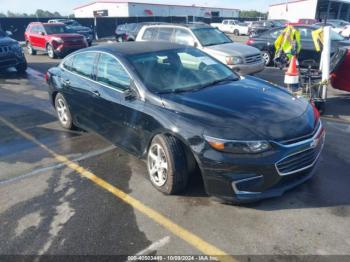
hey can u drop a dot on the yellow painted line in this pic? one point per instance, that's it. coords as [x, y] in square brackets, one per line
[195, 241]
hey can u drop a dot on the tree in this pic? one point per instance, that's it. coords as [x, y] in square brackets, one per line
[252, 14]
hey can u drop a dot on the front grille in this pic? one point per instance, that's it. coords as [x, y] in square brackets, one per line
[4, 50]
[300, 161]
[253, 59]
[74, 42]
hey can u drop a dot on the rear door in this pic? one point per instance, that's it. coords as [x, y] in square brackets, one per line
[77, 80]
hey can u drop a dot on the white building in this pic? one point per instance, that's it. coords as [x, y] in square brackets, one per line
[310, 9]
[134, 9]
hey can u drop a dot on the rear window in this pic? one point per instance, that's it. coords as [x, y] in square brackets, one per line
[164, 34]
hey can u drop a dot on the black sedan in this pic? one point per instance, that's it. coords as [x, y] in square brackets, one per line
[265, 42]
[182, 110]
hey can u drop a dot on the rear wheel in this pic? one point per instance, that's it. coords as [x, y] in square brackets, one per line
[50, 51]
[30, 49]
[167, 165]
[267, 57]
[236, 32]
[63, 113]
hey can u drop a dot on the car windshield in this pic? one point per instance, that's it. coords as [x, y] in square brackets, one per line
[56, 29]
[306, 34]
[211, 36]
[179, 70]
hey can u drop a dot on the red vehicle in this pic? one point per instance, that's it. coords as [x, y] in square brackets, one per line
[340, 78]
[304, 22]
[53, 38]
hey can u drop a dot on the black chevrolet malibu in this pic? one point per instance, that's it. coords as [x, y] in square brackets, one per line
[182, 110]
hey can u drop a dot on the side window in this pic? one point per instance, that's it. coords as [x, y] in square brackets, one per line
[110, 72]
[183, 37]
[34, 29]
[84, 63]
[225, 22]
[164, 34]
[149, 34]
[276, 33]
[232, 22]
[68, 63]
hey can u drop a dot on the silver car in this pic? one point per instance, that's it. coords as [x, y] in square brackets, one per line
[241, 58]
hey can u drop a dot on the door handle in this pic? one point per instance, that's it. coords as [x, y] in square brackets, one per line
[66, 82]
[96, 93]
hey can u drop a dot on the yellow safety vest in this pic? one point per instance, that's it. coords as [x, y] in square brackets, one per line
[287, 40]
[317, 37]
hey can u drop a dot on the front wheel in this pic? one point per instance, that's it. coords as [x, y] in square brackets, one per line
[167, 165]
[21, 68]
[30, 49]
[50, 51]
[267, 57]
[63, 112]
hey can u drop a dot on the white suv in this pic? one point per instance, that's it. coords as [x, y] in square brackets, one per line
[241, 58]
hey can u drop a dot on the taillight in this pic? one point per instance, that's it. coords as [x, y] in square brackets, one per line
[316, 113]
[47, 76]
[250, 42]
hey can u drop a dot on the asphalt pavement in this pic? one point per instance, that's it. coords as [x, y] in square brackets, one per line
[73, 193]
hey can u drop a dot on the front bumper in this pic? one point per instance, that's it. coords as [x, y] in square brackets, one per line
[247, 69]
[248, 178]
[11, 60]
[65, 50]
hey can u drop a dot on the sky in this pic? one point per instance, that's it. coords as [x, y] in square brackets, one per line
[65, 7]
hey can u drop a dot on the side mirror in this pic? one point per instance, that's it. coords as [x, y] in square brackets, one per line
[41, 33]
[9, 33]
[131, 93]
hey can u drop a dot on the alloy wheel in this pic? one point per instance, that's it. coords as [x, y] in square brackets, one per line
[62, 111]
[157, 165]
[266, 57]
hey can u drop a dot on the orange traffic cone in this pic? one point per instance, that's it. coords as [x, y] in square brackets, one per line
[291, 78]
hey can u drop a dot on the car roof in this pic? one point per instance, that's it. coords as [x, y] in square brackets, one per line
[133, 48]
[190, 26]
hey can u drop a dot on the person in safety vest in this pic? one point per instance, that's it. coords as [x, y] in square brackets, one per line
[317, 37]
[288, 43]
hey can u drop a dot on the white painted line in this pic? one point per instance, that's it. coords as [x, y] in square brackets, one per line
[57, 166]
[154, 246]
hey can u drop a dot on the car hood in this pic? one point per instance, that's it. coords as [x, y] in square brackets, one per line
[246, 109]
[6, 40]
[233, 49]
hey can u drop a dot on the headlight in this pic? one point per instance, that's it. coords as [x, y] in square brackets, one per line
[234, 60]
[15, 47]
[238, 147]
[57, 40]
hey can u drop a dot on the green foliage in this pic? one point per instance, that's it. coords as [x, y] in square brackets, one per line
[38, 13]
[253, 14]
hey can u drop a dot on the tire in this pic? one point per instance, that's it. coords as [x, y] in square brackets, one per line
[236, 32]
[119, 39]
[21, 68]
[50, 51]
[174, 177]
[63, 112]
[267, 57]
[30, 49]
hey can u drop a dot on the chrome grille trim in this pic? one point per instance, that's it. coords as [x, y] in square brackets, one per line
[253, 59]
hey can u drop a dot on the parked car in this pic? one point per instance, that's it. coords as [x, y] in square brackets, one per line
[180, 109]
[54, 38]
[232, 26]
[265, 43]
[304, 21]
[258, 27]
[75, 27]
[11, 53]
[128, 32]
[336, 27]
[239, 57]
[340, 77]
